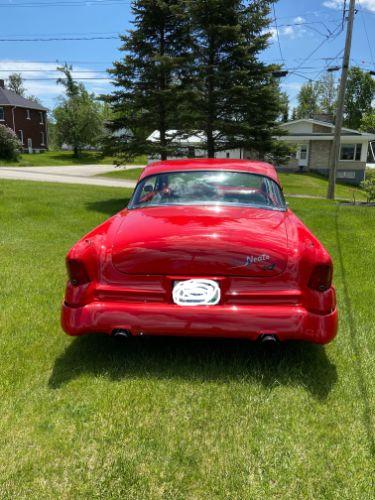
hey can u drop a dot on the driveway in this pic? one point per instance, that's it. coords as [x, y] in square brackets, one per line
[82, 174]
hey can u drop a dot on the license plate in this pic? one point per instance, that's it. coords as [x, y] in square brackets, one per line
[196, 292]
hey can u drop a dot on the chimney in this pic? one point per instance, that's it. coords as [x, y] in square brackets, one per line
[2, 86]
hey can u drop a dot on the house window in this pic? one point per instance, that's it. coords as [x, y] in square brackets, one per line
[20, 135]
[42, 138]
[28, 114]
[2, 117]
[351, 152]
[41, 117]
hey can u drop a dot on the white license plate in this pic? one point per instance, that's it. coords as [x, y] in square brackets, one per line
[196, 292]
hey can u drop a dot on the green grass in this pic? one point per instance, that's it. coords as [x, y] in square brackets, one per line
[175, 419]
[61, 158]
[316, 185]
[122, 173]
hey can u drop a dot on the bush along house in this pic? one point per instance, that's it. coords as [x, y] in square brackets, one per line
[312, 139]
[26, 117]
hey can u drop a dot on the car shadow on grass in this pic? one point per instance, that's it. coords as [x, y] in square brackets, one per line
[290, 364]
[108, 207]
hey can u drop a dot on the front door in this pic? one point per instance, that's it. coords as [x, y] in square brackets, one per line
[303, 155]
[30, 145]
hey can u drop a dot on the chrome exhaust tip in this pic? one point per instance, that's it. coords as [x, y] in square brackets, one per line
[269, 340]
[121, 333]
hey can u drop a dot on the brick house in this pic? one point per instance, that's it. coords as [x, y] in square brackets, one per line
[27, 118]
[313, 140]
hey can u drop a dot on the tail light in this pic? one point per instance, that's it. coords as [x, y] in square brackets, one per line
[77, 272]
[321, 278]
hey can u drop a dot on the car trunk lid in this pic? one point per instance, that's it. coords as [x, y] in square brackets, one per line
[201, 241]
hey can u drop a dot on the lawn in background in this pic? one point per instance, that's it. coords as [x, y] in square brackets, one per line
[62, 158]
[316, 185]
[123, 173]
[166, 418]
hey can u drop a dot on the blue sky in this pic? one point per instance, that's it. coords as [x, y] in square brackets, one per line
[304, 26]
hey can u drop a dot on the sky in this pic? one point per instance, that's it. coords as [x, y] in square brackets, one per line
[307, 38]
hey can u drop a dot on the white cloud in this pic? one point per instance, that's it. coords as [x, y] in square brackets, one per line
[287, 31]
[299, 19]
[338, 4]
[48, 90]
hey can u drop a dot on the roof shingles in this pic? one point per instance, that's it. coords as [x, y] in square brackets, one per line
[10, 98]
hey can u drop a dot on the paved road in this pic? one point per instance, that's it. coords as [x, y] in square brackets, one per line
[82, 174]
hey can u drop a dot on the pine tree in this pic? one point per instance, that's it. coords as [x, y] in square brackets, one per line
[236, 101]
[150, 80]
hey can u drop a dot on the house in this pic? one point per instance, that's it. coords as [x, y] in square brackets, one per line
[26, 117]
[192, 146]
[313, 139]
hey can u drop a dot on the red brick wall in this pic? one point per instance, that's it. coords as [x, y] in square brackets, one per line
[31, 128]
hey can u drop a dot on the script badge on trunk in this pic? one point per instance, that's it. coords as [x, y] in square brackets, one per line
[196, 292]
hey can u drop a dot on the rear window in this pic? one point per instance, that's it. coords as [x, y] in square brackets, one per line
[208, 188]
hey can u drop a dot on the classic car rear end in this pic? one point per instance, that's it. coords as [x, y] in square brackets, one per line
[205, 248]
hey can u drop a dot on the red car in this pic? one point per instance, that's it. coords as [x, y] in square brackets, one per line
[204, 248]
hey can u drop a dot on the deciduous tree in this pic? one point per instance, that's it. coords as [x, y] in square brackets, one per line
[359, 96]
[78, 118]
[307, 100]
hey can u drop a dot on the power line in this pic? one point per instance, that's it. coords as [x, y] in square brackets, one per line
[277, 33]
[367, 37]
[66, 3]
[76, 78]
[59, 39]
[331, 36]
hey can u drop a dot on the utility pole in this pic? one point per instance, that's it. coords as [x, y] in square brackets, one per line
[335, 152]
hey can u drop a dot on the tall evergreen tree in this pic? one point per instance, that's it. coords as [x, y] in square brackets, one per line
[236, 101]
[150, 79]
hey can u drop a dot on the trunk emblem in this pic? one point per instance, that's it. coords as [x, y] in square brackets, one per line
[196, 292]
[251, 259]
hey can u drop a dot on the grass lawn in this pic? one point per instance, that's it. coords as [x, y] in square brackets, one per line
[316, 185]
[174, 419]
[122, 173]
[61, 158]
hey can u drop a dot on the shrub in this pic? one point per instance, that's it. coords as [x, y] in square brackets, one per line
[369, 185]
[10, 145]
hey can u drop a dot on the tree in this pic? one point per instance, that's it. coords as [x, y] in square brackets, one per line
[10, 145]
[284, 105]
[368, 123]
[15, 83]
[360, 93]
[150, 80]
[235, 99]
[192, 66]
[307, 100]
[78, 116]
[327, 94]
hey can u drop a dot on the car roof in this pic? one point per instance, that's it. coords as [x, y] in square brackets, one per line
[249, 166]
